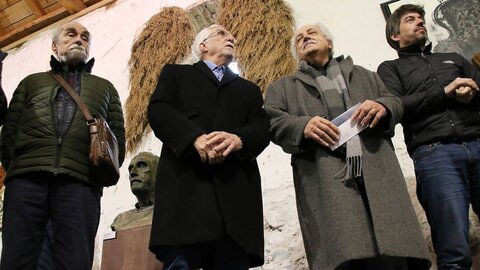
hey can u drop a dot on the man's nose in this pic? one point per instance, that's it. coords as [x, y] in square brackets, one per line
[232, 39]
[78, 40]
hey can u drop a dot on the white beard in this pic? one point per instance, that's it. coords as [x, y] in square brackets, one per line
[75, 55]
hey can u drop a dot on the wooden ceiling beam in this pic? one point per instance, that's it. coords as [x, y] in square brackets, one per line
[73, 6]
[35, 6]
[15, 38]
[34, 25]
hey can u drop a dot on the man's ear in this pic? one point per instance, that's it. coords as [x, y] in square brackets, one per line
[54, 47]
[395, 37]
[203, 47]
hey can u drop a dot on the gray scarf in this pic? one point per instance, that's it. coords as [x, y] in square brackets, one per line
[333, 89]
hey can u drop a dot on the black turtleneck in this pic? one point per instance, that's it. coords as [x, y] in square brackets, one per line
[320, 68]
[415, 49]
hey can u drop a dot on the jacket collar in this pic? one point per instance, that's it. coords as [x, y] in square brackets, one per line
[414, 50]
[59, 67]
[228, 75]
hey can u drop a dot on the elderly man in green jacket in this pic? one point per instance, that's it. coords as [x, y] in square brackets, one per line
[45, 148]
[353, 204]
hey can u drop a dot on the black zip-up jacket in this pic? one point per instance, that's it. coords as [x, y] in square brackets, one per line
[419, 78]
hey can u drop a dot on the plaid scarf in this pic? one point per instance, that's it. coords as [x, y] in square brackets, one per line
[337, 97]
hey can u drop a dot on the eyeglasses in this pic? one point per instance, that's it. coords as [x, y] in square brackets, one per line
[220, 32]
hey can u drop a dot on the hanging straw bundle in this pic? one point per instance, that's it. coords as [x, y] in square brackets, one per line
[166, 39]
[263, 30]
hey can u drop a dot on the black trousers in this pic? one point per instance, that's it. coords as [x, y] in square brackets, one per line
[45, 259]
[73, 209]
[222, 254]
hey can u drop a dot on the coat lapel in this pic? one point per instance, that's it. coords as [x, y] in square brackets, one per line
[200, 65]
[228, 76]
[306, 78]
[356, 95]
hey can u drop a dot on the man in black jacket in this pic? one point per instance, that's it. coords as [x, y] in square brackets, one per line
[441, 126]
[208, 201]
[45, 151]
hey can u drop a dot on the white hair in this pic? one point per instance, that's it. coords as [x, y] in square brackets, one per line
[323, 29]
[56, 32]
[199, 38]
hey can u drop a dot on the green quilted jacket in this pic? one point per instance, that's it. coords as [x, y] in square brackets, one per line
[29, 137]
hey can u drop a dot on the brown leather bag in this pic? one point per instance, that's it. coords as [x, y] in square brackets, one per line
[476, 60]
[104, 165]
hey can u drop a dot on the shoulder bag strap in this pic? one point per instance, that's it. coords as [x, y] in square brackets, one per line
[81, 105]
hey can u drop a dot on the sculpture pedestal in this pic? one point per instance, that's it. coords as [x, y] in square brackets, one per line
[129, 250]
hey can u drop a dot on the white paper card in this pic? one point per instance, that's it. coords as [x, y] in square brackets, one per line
[348, 129]
[110, 235]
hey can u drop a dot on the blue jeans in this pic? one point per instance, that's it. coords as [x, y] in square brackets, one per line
[448, 180]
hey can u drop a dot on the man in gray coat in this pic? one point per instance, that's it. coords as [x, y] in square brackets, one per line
[353, 205]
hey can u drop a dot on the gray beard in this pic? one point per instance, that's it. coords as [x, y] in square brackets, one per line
[74, 57]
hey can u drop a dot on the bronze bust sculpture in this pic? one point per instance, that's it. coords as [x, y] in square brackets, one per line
[142, 175]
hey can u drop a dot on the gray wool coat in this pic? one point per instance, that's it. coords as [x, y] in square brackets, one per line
[335, 224]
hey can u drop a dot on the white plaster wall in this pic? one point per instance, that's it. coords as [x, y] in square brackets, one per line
[358, 30]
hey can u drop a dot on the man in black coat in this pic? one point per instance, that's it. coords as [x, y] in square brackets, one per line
[208, 201]
[441, 125]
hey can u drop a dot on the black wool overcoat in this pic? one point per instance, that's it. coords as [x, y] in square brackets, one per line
[197, 202]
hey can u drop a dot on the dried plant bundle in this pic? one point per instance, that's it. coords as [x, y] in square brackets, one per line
[263, 30]
[165, 39]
